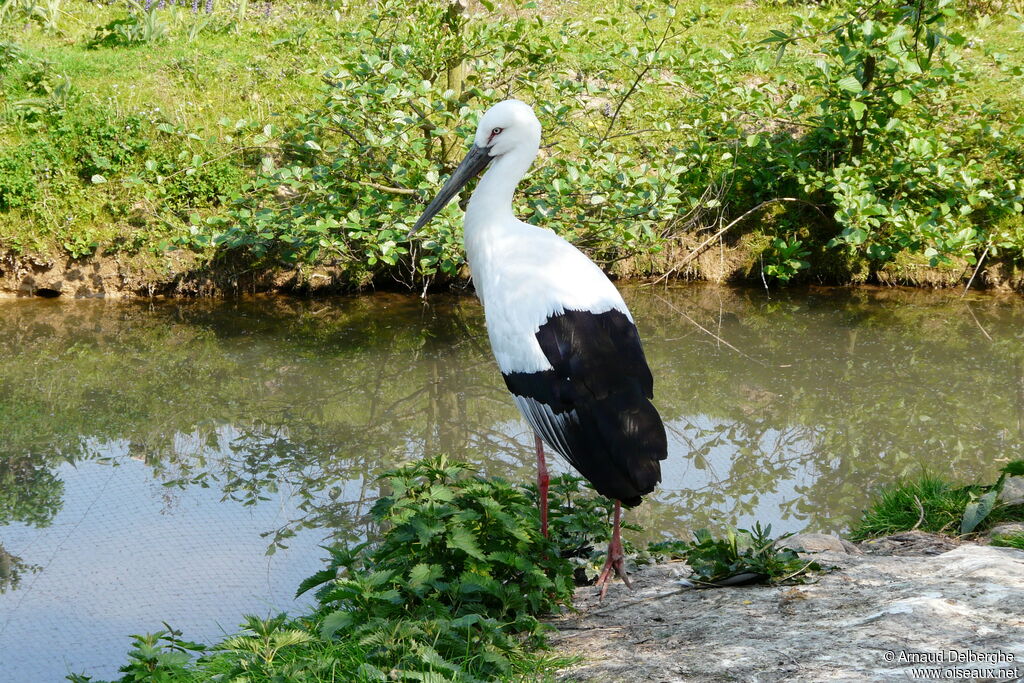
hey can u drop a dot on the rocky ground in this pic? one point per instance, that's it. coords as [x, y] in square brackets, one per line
[908, 607]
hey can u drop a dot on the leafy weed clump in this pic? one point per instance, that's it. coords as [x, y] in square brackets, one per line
[742, 556]
[934, 505]
[454, 585]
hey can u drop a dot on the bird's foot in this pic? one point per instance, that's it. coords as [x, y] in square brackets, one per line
[615, 562]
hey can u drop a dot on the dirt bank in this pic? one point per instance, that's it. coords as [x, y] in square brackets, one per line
[183, 274]
[175, 274]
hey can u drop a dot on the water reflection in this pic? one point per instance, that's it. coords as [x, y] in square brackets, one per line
[788, 410]
[837, 389]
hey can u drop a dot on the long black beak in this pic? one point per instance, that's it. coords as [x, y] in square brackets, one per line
[476, 160]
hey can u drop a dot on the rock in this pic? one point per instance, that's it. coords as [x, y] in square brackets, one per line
[1013, 491]
[1006, 529]
[909, 543]
[819, 543]
[876, 617]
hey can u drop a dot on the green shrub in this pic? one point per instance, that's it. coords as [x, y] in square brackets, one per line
[18, 185]
[580, 525]
[888, 119]
[868, 146]
[355, 171]
[185, 180]
[104, 146]
[454, 583]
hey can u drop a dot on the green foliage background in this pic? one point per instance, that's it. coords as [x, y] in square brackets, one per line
[835, 141]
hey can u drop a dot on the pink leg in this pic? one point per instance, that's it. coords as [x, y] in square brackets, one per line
[542, 485]
[616, 557]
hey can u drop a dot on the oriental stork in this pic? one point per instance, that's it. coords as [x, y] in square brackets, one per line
[562, 335]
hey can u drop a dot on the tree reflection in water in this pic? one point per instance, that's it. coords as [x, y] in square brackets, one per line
[790, 409]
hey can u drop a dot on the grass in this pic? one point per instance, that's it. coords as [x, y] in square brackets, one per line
[929, 504]
[1009, 541]
[251, 70]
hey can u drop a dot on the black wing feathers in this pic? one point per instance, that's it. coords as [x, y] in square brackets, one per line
[593, 406]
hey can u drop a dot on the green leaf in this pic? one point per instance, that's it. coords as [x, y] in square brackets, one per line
[463, 539]
[98, 179]
[321, 577]
[753, 139]
[369, 672]
[423, 573]
[334, 622]
[850, 84]
[467, 620]
[1014, 468]
[902, 97]
[976, 512]
[857, 108]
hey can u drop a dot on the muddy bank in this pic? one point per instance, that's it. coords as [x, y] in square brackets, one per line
[888, 611]
[184, 274]
[177, 274]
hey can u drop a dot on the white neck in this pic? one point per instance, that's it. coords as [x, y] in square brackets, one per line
[492, 200]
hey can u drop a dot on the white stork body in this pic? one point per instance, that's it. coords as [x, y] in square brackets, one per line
[514, 265]
[563, 338]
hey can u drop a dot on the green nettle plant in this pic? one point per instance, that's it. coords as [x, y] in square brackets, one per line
[580, 525]
[460, 568]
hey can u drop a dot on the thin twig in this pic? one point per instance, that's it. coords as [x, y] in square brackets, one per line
[697, 251]
[632, 132]
[706, 330]
[917, 502]
[788, 656]
[426, 124]
[236, 150]
[640, 76]
[975, 273]
[387, 188]
[589, 628]
[796, 573]
[614, 608]
[978, 322]
[763, 279]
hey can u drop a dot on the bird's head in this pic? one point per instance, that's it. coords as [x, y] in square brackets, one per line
[507, 127]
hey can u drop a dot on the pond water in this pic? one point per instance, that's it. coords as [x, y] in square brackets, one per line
[183, 461]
